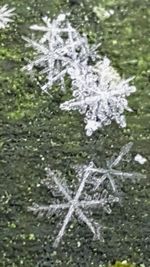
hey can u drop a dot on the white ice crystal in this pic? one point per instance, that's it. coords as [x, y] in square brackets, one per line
[78, 204]
[140, 159]
[90, 194]
[59, 47]
[100, 94]
[5, 16]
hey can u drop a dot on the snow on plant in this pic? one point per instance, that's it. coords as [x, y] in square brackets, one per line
[5, 16]
[100, 94]
[90, 194]
[59, 46]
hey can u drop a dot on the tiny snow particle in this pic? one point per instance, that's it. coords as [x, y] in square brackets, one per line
[140, 159]
[102, 13]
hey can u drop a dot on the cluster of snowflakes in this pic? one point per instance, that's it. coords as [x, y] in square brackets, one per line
[98, 189]
[98, 91]
[100, 94]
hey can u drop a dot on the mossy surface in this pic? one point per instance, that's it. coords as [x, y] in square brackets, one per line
[125, 264]
[35, 133]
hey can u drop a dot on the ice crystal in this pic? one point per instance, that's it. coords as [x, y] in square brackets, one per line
[78, 204]
[100, 94]
[5, 16]
[91, 193]
[59, 47]
[112, 174]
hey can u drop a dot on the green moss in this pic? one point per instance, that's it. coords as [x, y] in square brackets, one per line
[9, 54]
[123, 264]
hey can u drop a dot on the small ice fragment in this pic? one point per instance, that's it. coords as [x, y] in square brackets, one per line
[140, 159]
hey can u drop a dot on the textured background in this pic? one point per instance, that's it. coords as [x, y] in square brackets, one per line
[35, 132]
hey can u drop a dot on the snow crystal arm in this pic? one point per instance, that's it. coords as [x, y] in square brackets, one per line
[5, 15]
[63, 228]
[57, 181]
[124, 151]
[51, 208]
[37, 46]
[88, 222]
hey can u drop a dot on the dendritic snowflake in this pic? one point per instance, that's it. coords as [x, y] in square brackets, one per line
[100, 94]
[5, 16]
[59, 46]
[89, 195]
[78, 204]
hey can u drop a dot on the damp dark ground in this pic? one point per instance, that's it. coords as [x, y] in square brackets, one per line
[35, 133]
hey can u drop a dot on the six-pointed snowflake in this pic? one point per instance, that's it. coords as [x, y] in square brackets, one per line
[100, 94]
[76, 204]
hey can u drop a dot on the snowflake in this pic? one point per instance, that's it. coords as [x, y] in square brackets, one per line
[111, 174]
[78, 204]
[100, 94]
[59, 47]
[92, 193]
[5, 15]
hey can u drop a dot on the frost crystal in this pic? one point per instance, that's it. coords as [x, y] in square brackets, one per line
[100, 94]
[5, 15]
[60, 46]
[90, 194]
